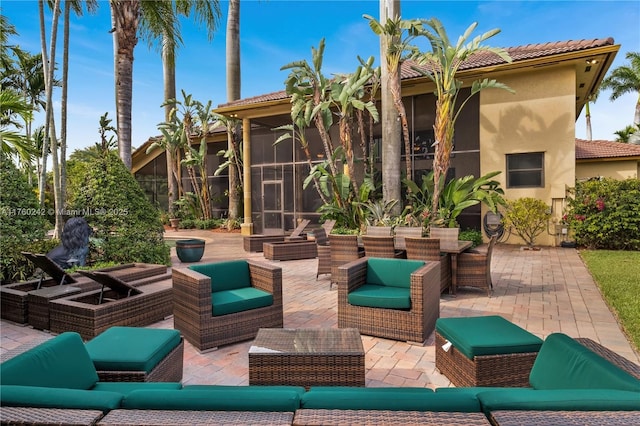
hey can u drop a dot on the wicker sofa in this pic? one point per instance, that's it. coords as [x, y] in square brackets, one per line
[64, 384]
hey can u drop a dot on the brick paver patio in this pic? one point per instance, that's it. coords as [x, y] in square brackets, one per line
[542, 291]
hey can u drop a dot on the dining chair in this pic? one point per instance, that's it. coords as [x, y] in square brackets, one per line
[381, 247]
[420, 248]
[344, 248]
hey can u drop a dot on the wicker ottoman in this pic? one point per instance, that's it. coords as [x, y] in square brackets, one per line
[290, 250]
[485, 351]
[130, 354]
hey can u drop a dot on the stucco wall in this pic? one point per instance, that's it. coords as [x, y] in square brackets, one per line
[538, 117]
[623, 169]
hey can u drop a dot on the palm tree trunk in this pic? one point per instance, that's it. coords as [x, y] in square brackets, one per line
[169, 75]
[42, 178]
[587, 119]
[233, 93]
[63, 107]
[126, 14]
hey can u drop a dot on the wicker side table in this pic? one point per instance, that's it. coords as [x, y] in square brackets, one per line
[307, 357]
[565, 418]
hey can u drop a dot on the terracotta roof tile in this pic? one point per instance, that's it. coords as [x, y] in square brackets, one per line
[518, 53]
[586, 150]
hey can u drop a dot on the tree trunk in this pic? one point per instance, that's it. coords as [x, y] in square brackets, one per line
[233, 93]
[587, 119]
[169, 77]
[126, 16]
[42, 178]
[391, 144]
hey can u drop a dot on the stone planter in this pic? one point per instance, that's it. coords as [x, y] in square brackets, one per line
[174, 223]
[190, 250]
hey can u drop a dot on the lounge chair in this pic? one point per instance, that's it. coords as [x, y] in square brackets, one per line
[121, 288]
[48, 267]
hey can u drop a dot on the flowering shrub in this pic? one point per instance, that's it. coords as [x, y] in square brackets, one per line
[605, 214]
[527, 217]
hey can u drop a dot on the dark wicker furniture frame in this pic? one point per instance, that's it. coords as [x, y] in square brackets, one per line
[414, 325]
[307, 357]
[290, 250]
[429, 249]
[200, 418]
[344, 249]
[193, 315]
[254, 243]
[564, 418]
[379, 246]
[308, 417]
[474, 268]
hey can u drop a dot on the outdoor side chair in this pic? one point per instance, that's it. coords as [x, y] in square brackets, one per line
[226, 302]
[381, 247]
[474, 267]
[429, 249]
[344, 248]
[48, 267]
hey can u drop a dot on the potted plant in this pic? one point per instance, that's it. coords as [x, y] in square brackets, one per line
[190, 250]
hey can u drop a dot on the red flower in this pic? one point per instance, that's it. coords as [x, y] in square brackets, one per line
[600, 204]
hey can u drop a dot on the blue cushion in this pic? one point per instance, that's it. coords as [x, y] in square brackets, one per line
[227, 275]
[391, 272]
[131, 348]
[379, 296]
[242, 299]
[62, 362]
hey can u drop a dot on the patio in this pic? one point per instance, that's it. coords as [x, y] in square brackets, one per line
[544, 292]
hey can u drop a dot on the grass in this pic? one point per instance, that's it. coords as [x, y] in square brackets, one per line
[617, 273]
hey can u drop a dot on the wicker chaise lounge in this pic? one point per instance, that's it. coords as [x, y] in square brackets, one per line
[199, 290]
[253, 243]
[49, 267]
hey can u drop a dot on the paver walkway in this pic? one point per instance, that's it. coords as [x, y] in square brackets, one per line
[542, 291]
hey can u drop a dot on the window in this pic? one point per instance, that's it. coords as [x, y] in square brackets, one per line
[525, 170]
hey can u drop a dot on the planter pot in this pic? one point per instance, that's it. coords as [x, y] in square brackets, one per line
[190, 250]
[175, 223]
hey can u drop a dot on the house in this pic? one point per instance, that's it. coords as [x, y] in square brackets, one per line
[529, 135]
[607, 159]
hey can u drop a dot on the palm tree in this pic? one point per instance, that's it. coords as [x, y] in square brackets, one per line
[625, 79]
[12, 106]
[233, 93]
[440, 65]
[587, 112]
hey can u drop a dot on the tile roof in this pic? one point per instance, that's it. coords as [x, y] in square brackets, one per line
[599, 149]
[518, 53]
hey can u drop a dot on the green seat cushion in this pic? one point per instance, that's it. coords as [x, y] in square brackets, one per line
[265, 388]
[238, 398]
[391, 272]
[398, 399]
[227, 275]
[487, 335]
[563, 363]
[131, 348]
[46, 397]
[559, 399]
[380, 296]
[61, 362]
[125, 388]
[238, 300]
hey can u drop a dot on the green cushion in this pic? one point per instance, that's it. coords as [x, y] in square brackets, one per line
[564, 363]
[380, 296]
[238, 398]
[125, 388]
[61, 362]
[487, 335]
[399, 399]
[227, 275]
[299, 389]
[46, 397]
[559, 399]
[242, 299]
[391, 272]
[131, 348]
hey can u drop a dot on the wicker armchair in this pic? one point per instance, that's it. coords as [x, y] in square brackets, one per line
[474, 267]
[324, 252]
[344, 248]
[194, 313]
[429, 249]
[413, 325]
[380, 247]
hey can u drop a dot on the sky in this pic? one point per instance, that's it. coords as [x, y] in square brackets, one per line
[274, 33]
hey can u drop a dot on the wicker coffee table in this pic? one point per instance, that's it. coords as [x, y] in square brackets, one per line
[307, 357]
[565, 418]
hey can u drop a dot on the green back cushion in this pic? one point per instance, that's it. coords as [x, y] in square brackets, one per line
[239, 398]
[242, 299]
[380, 296]
[564, 363]
[300, 390]
[559, 399]
[487, 335]
[45, 397]
[125, 388]
[391, 272]
[228, 275]
[398, 399]
[131, 348]
[62, 362]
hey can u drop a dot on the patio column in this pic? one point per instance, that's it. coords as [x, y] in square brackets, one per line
[246, 228]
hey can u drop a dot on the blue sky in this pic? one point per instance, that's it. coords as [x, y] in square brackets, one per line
[276, 32]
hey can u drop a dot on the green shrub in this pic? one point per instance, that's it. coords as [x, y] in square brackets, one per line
[472, 235]
[605, 214]
[127, 227]
[23, 224]
[528, 217]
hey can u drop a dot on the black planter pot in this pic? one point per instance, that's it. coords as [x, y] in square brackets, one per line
[190, 250]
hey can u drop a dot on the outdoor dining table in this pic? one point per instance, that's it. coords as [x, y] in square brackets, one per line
[454, 248]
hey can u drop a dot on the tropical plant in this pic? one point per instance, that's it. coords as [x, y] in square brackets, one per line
[380, 212]
[527, 217]
[625, 135]
[441, 65]
[454, 197]
[625, 79]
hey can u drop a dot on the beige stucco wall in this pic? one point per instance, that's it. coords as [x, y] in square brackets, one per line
[538, 117]
[621, 169]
